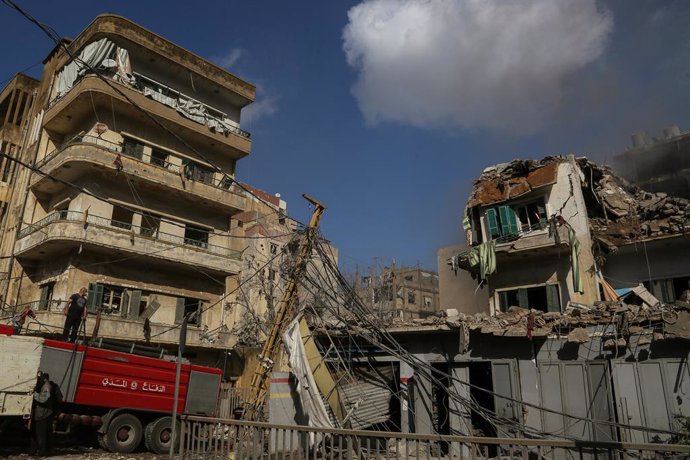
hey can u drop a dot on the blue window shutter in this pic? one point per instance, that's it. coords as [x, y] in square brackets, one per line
[492, 221]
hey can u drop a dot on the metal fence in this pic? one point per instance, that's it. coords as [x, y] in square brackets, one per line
[209, 438]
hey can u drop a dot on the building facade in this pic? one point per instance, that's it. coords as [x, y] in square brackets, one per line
[545, 234]
[400, 292]
[659, 164]
[134, 143]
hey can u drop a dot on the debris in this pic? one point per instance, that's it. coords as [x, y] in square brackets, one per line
[578, 335]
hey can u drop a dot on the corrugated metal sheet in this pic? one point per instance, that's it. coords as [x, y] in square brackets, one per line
[374, 403]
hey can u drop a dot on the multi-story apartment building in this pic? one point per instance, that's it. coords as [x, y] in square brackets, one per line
[16, 102]
[545, 233]
[400, 292]
[134, 142]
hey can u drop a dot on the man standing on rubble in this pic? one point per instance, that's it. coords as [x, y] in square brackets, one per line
[75, 311]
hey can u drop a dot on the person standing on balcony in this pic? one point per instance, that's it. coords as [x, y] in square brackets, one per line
[75, 310]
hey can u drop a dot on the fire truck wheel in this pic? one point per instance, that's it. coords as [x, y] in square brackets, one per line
[102, 441]
[158, 435]
[124, 433]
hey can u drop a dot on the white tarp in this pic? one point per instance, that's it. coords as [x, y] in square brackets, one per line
[90, 57]
[312, 404]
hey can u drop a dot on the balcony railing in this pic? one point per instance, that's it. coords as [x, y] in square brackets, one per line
[524, 230]
[125, 227]
[191, 171]
[160, 92]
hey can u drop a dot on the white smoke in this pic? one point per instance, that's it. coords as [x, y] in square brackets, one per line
[496, 64]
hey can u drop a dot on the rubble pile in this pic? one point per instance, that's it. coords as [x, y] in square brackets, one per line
[579, 323]
[629, 213]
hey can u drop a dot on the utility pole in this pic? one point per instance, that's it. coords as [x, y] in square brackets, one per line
[284, 315]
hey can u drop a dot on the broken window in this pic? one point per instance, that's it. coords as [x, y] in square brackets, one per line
[159, 158]
[196, 172]
[122, 218]
[190, 308]
[111, 302]
[511, 221]
[46, 296]
[150, 225]
[196, 236]
[8, 165]
[411, 297]
[670, 289]
[274, 249]
[133, 148]
[545, 298]
[427, 301]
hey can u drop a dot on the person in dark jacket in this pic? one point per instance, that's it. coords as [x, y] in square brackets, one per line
[75, 310]
[47, 398]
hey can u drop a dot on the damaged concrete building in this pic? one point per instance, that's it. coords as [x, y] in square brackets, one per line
[658, 164]
[400, 292]
[130, 151]
[543, 234]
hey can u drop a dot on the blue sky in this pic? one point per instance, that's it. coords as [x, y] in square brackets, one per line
[386, 110]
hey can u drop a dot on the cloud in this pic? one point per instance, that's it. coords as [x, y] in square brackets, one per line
[229, 59]
[495, 64]
[266, 104]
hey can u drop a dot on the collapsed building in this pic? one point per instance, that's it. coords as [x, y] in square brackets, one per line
[584, 333]
[545, 233]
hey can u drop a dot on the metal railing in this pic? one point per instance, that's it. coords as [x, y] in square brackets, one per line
[190, 170]
[211, 438]
[142, 81]
[129, 228]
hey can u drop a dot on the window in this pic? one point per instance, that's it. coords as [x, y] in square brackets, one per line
[133, 148]
[194, 171]
[274, 249]
[506, 221]
[46, 296]
[112, 301]
[271, 274]
[122, 218]
[189, 308]
[196, 236]
[427, 301]
[409, 278]
[8, 166]
[226, 183]
[159, 158]
[411, 297]
[670, 289]
[545, 298]
[150, 225]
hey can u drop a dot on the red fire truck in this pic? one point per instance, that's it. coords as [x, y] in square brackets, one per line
[114, 389]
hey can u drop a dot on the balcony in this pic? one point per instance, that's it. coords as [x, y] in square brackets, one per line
[84, 153]
[535, 237]
[61, 230]
[194, 121]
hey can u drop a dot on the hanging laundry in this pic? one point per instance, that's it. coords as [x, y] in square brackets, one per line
[575, 260]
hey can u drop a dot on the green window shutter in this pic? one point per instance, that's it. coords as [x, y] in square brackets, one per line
[134, 301]
[94, 298]
[522, 298]
[509, 221]
[553, 301]
[179, 310]
[492, 221]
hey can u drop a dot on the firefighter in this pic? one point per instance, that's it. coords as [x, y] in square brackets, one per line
[75, 310]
